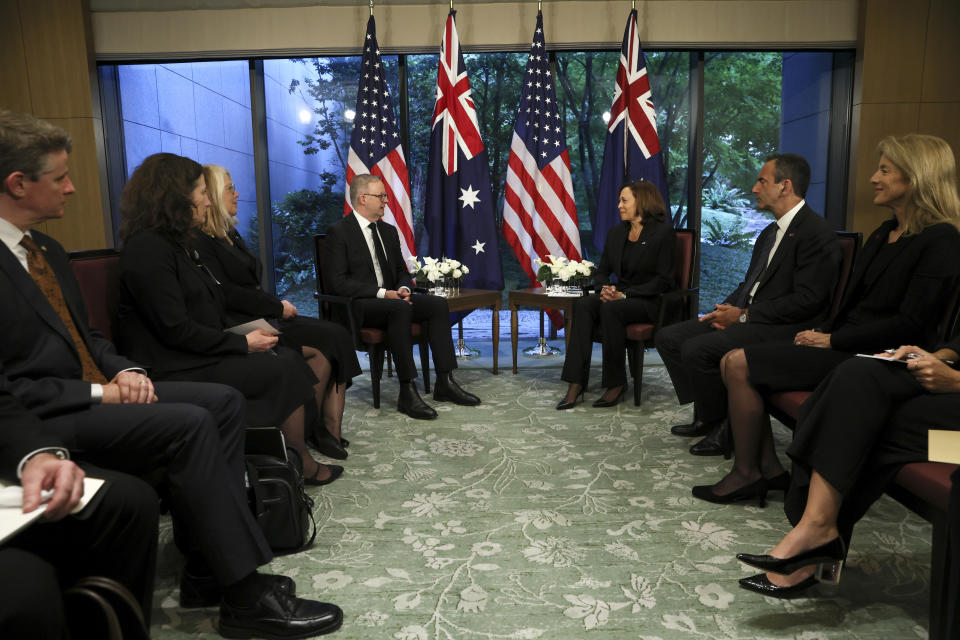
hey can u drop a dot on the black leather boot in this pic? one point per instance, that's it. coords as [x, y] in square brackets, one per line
[448, 390]
[410, 402]
[718, 443]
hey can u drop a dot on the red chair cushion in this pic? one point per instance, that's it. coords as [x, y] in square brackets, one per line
[928, 480]
[640, 331]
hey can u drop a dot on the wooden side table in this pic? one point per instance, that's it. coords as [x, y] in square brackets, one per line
[538, 298]
[475, 299]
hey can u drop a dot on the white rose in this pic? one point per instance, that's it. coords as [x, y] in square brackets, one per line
[433, 276]
[454, 263]
[588, 264]
[457, 273]
[429, 260]
[444, 268]
[583, 269]
[465, 269]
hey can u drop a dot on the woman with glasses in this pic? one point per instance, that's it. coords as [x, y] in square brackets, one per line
[326, 346]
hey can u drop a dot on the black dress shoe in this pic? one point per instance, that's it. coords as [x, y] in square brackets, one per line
[601, 403]
[447, 390]
[762, 585]
[779, 483]
[565, 404]
[329, 446]
[410, 403]
[829, 553]
[695, 429]
[718, 443]
[205, 591]
[335, 472]
[279, 614]
[344, 442]
[753, 490]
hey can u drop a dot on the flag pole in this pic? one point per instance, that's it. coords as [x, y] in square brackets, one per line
[371, 7]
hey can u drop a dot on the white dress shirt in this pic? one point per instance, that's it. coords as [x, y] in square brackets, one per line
[368, 236]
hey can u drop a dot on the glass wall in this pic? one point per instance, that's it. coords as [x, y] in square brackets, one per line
[754, 104]
[200, 110]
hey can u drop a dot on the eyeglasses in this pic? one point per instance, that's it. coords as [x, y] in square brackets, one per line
[383, 197]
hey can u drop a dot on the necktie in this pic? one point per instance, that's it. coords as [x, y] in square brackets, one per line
[381, 257]
[43, 275]
[758, 267]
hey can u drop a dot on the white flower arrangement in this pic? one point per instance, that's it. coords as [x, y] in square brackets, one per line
[562, 269]
[436, 271]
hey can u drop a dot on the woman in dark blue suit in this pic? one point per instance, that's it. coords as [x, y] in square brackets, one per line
[638, 263]
[897, 294]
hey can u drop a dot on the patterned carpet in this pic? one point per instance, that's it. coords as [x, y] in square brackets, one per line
[514, 520]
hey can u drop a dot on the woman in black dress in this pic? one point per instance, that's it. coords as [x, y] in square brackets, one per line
[172, 317]
[896, 295]
[854, 434]
[326, 346]
[640, 255]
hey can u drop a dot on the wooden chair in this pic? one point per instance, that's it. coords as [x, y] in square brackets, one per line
[369, 339]
[96, 272]
[675, 306]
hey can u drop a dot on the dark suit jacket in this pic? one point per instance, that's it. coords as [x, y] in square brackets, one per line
[348, 266]
[171, 312]
[238, 271]
[39, 362]
[901, 299]
[798, 284]
[653, 267]
[21, 433]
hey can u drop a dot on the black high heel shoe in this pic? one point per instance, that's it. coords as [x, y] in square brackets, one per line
[828, 557]
[757, 489]
[600, 402]
[570, 404]
[762, 585]
[335, 472]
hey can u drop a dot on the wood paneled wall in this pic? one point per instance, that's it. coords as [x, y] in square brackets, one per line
[908, 81]
[47, 69]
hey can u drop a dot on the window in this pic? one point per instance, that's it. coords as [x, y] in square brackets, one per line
[200, 110]
[309, 110]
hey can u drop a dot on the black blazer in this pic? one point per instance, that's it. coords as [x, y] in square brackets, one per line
[348, 265]
[171, 311]
[900, 301]
[39, 362]
[21, 433]
[238, 271]
[798, 284]
[653, 268]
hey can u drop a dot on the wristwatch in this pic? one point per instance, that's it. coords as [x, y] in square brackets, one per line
[743, 316]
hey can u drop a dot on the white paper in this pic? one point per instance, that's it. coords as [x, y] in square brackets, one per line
[253, 325]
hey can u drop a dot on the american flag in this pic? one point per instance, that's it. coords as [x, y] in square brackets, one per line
[539, 213]
[458, 210]
[375, 143]
[632, 151]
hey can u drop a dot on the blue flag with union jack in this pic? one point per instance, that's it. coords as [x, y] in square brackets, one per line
[458, 211]
[632, 151]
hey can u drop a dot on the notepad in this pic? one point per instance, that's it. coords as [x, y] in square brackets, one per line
[12, 519]
[253, 325]
[943, 446]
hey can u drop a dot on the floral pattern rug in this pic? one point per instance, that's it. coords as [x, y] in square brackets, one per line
[513, 520]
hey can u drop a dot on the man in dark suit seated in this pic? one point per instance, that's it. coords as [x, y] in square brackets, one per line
[108, 412]
[787, 288]
[362, 260]
[37, 563]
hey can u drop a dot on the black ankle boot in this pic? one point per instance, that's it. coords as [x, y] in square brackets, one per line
[718, 443]
[410, 402]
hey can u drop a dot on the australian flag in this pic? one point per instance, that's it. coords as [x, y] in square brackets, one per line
[632, 151]
[458, 211]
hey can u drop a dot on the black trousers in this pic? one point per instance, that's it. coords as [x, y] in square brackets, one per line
[115, 536]
[861, 425]
[395, 317]
[611, 317]
[692, 350]
[195, 434]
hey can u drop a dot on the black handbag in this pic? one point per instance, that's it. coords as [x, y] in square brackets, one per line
[280, 505]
